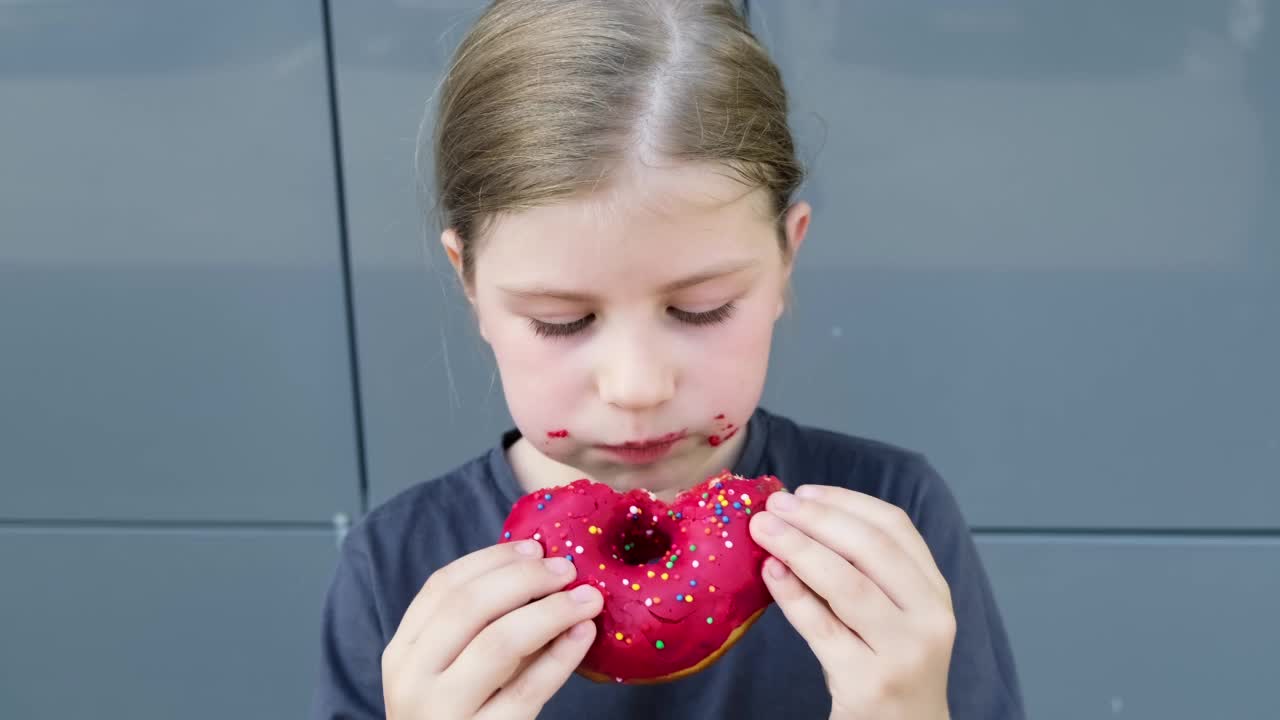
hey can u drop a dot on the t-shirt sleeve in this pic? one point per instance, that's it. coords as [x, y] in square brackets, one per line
[983, 680]
[349, 686]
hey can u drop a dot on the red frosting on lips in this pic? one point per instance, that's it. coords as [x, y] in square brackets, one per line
[677, 579]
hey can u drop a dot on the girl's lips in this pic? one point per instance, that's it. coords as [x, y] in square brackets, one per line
[667, 439]
[642, 452]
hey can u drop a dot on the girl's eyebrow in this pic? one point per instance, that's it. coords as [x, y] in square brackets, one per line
[543, 292]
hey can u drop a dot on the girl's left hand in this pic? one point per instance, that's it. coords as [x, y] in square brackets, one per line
[859, 584]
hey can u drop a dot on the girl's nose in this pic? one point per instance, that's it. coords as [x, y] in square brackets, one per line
[634, 376]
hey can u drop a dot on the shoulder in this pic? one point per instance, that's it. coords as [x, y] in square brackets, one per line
[805, 454]
[428, 524]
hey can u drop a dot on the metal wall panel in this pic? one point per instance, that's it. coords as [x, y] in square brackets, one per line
[1045, 250]
[430, 393]
[172, 321]
[160, 623]
[1141, 627]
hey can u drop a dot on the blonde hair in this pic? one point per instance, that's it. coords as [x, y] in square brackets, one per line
[544, 98]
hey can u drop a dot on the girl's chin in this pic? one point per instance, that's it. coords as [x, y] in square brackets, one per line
[664, 479]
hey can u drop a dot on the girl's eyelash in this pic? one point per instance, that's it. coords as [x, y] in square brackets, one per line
[709, 317]
[555, 330]
[546, 329]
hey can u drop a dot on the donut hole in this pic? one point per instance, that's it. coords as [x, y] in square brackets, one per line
[643, 548]
[637, 538]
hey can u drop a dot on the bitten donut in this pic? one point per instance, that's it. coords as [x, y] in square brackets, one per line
[681, 582]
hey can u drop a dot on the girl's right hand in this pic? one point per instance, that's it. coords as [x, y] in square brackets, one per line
[489, 636]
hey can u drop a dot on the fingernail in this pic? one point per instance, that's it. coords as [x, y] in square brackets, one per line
[529, 547]
[807, 491]
[769, 524]
[776, 569]
[583, 593]
[782, 501]
[559, 565]
[581, 631]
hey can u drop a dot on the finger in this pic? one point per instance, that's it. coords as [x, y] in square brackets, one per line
[837, 648]
[872, 550]
[492, 658]
[890, 518]
[459, 572]
[541, 676]
[855, 599]
[472, 607]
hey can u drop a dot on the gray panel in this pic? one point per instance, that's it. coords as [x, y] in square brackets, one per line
[429, 391]
[1160, 628]
[160, 624]
[171, 299]
[1045, 250]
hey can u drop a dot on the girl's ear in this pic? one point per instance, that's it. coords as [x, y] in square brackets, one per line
[796, 225]
[453, 249]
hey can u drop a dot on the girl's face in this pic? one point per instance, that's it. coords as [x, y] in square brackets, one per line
[632, 328]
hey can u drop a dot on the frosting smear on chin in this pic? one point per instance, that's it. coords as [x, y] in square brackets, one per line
[681, 580]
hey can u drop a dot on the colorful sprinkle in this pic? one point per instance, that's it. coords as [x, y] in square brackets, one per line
[506, 535]
[688, 598]
[635, 586]
[660, 644]
[547, 496]
[601, 566]
[709, 621]
[712, 588]
[695, 563]
[618, 635]
[664, 576]
[728, 544]
[692, 548]
[650, 573]
[541, 506]
[693, 583]
[679, 598]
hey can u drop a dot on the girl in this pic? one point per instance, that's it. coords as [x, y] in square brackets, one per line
[615, 180]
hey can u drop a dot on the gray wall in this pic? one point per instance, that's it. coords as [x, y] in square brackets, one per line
[1046, 251]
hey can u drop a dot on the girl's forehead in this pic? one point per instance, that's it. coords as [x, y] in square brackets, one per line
[679, 211]
[623, 252]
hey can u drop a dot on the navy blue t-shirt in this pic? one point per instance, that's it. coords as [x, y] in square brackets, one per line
[770, 673]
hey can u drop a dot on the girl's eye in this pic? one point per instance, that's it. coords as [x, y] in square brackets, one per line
[546, 329]
[709, 317]
[559, 330]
